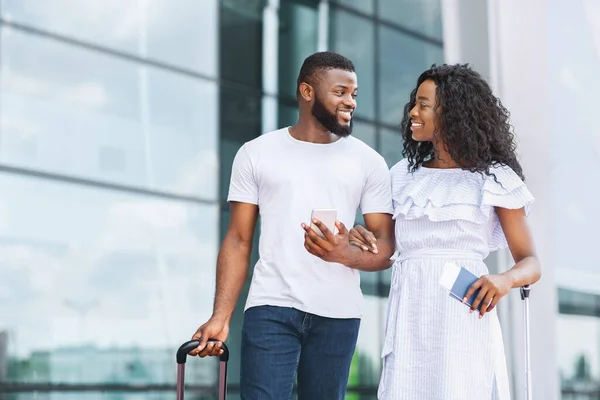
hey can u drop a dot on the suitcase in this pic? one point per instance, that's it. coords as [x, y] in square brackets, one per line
[525, 297]
[182, 353]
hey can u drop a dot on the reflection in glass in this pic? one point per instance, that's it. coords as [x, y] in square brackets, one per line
[421, 16]
[386, 281]
[398, 75]
[113, 120]
[240, 122]
[365, 132]
[101, 286]
[288, 115]
[364, 6]
[391, 146]
[579, 352]
[147, 28]
[240, 41]
[298, 29]
[366, 364]
[354, 37]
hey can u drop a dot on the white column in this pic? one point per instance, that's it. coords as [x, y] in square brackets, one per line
[323, 38]
[466, 34]
[270, 64]
[519, 29]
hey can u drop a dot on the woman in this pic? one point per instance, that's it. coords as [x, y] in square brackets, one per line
[457, 195]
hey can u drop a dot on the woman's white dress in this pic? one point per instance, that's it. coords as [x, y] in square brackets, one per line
[434, 348]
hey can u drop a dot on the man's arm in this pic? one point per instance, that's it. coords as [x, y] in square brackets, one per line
[232, 270]
[234, 258]
[337, 248]
[382, 227]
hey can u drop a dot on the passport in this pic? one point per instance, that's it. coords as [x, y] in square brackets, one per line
[457, 281]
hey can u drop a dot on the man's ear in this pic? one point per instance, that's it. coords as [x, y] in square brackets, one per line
[306, 91]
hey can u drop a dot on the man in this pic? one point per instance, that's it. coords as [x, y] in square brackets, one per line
[303, 312]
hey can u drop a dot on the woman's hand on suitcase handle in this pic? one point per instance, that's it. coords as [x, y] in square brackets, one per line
[217, 329]
[492, 289]
[362, 238]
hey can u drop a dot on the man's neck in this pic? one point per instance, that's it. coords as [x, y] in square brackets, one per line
[312, 132]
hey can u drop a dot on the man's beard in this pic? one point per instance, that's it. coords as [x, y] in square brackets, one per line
[329, 120]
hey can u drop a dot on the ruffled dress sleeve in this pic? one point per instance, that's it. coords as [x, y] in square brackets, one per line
[509, 191]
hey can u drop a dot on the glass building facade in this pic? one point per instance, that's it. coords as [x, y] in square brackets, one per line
[119, 121]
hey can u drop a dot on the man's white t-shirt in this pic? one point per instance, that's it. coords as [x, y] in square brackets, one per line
[287, 179]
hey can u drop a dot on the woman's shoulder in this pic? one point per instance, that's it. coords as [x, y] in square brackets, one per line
[400, 168]
[503, 187]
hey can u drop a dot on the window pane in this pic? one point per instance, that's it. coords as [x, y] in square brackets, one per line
[183, 134]
[386, 281]
[365, 6]
[365, 132]
[422, 16]
[102, 286]
[298, 29]
[147, 28]
[578, 352]
[240, 122]
[113, 120]
[391, 146]
[240, 36]
[288, 115]
[369, 282]
[366, 363]
[399, 77]
[354, 37]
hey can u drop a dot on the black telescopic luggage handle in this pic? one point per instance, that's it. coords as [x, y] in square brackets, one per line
[182, 353]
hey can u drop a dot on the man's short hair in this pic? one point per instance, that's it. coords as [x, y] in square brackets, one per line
[316, 64]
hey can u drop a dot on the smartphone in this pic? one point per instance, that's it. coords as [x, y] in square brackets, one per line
[327, 216]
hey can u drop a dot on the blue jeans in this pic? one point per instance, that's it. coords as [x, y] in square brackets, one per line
[280, 344]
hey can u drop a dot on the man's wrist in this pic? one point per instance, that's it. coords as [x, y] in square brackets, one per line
[221, 317]
[349, 256]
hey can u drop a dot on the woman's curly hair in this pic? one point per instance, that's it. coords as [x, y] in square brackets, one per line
[473, 124]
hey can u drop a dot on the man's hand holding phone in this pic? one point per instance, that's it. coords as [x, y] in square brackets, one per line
[323, 243]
